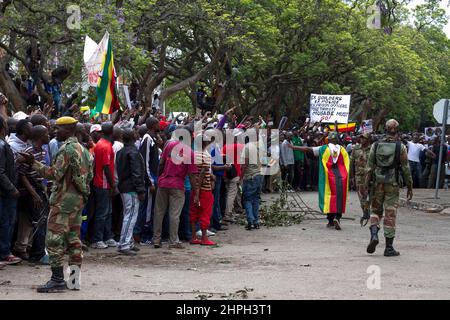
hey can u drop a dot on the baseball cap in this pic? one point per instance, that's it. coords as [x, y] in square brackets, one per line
[20, 115]
[237, 132]
[96, 128]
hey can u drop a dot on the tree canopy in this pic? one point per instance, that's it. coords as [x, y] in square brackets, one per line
[265, 56]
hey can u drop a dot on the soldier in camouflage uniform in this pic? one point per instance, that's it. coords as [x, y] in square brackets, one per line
[71, 173]
[359, 157]
[388, 159]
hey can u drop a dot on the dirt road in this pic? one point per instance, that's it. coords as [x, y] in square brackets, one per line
[305, 261]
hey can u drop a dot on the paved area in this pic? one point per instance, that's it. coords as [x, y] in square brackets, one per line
[428, 196]
[304, 261]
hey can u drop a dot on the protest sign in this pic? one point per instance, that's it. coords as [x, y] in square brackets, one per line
[329, 108]
[93, 58]
[432, 132]
[367, 126]
[127, 96]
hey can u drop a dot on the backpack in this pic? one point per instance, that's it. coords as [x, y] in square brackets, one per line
[387, 162]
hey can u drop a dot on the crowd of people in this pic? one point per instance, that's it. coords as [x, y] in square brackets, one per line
[127, 175]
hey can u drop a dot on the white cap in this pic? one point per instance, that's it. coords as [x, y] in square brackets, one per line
[96, 127]
[237, 132]
[20, 115]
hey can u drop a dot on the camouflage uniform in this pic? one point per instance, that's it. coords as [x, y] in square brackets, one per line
[359, 157]
[71, 173]
[387, 194]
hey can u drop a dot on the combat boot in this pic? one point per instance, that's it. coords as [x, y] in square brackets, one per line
[56, 283]
[373, 239]
[390, 251]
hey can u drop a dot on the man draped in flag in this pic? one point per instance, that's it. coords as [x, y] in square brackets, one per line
[334, 166]
[107, 101]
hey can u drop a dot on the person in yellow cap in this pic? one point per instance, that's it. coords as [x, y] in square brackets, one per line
[71, 173]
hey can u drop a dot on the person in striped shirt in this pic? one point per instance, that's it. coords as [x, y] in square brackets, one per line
[34, 206]
[202, 199]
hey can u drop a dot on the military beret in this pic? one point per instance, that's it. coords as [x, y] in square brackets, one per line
[65, 120]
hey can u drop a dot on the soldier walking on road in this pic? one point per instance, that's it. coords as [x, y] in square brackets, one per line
[386, 159]
[359, 157]
[71, 173]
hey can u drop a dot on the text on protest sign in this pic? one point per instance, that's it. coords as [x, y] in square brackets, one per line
[329, 108]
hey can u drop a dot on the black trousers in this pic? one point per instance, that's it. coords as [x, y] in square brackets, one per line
[298, 174]
[332, 216]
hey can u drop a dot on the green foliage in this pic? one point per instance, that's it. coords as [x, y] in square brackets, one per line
[283, 51]
[277, 213]
[179, 102]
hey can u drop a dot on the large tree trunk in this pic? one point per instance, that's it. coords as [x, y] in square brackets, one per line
[150, 85]
[8, 87]
[378, 119]
[196, 77]
[366, 106]
[48, 98]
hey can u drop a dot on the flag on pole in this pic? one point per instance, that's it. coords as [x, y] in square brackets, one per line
[93, 59]
[107, 100]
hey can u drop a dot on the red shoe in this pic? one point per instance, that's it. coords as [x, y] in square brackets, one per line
[208, 243]
[195, 241]
[12, 260]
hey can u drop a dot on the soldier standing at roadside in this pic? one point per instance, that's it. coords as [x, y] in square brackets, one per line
[359, 157]
[71, 173]
[386, 159]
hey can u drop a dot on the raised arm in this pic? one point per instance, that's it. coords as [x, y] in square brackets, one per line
[301, 148]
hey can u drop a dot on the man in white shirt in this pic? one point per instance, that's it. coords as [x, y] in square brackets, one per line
[287, 160]
[414, 150]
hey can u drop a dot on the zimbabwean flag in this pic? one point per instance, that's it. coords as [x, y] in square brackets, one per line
[107, 101]
[333, 180]
[346, 127]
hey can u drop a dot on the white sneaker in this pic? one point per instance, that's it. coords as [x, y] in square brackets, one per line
[99, 245]
[146, 243]
[208, 233]
[111, 243]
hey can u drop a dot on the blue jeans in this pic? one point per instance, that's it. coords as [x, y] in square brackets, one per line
[142, 215]
[7, 220]
[144, 228]
[38, 247]
[103, 215]
[184, 229]
[251, 192]
[216, 217]
[416, 173]
[130, 213]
